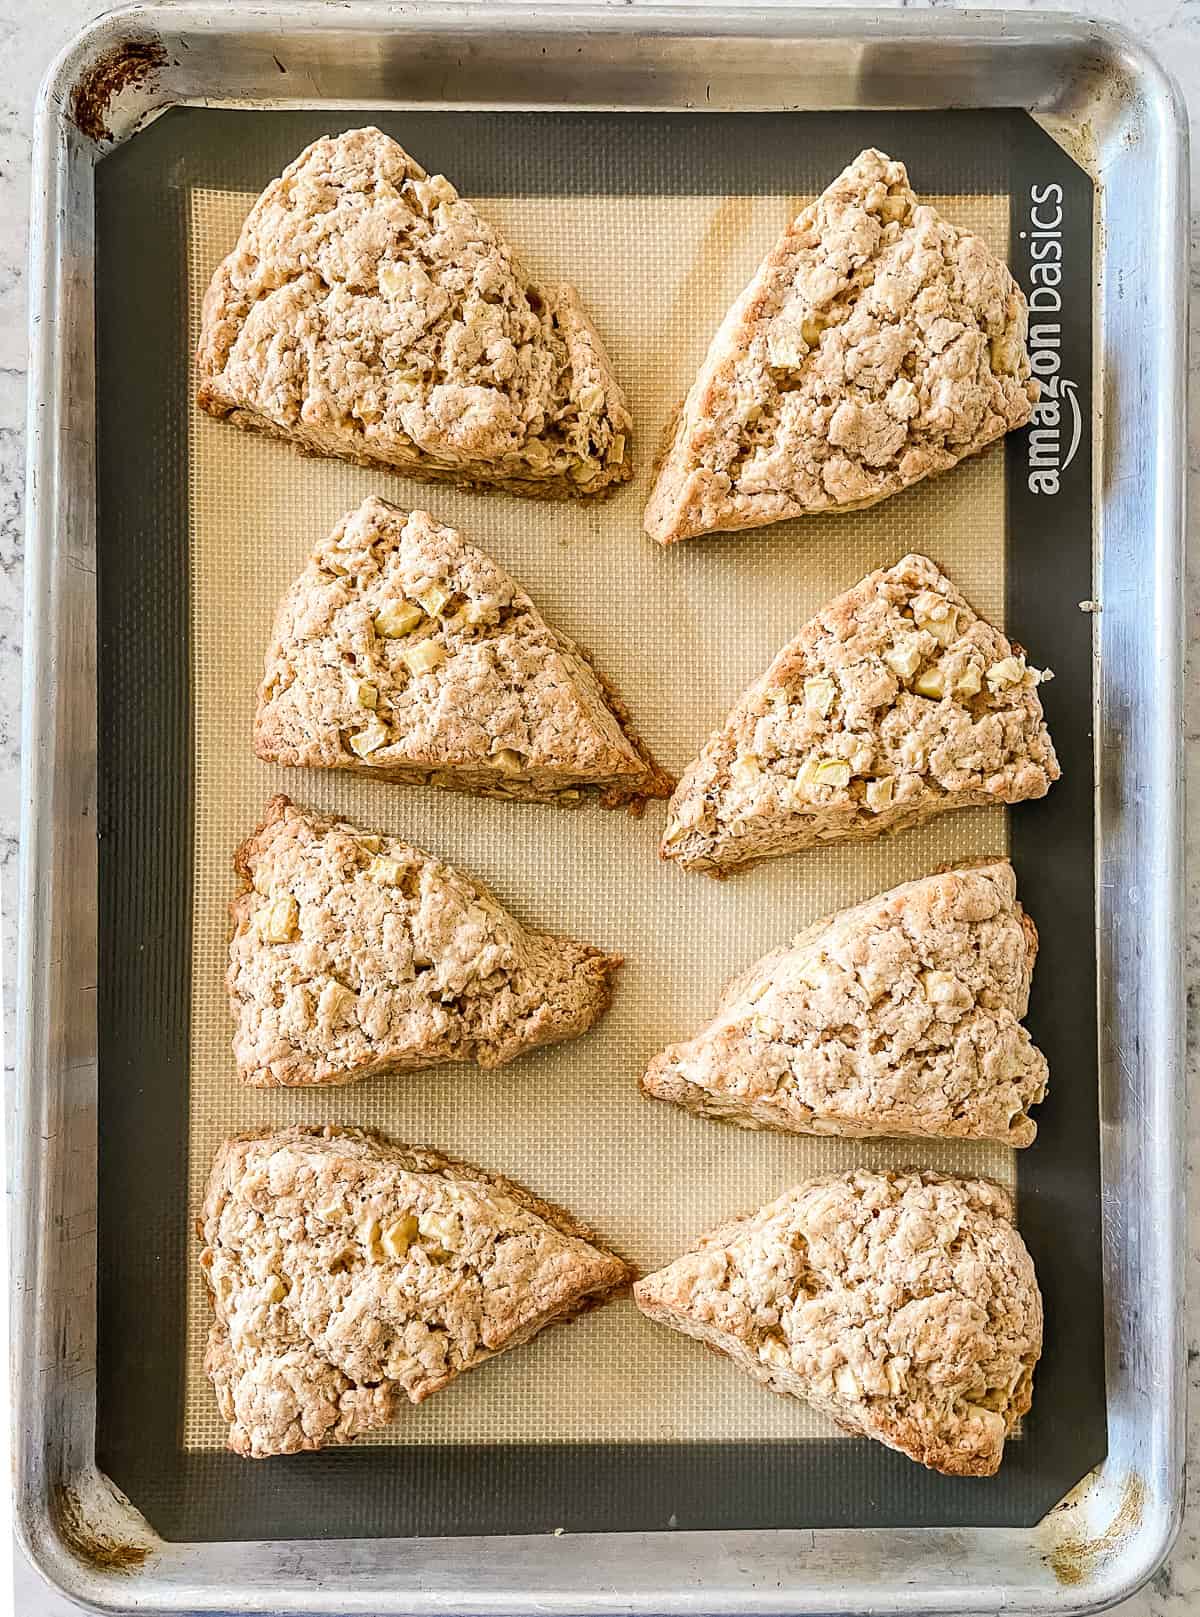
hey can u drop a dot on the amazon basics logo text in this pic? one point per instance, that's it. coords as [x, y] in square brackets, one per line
[1056, 426]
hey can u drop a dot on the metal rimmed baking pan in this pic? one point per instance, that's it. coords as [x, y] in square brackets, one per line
[1114, 116]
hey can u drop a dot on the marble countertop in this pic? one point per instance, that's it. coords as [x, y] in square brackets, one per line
[31, 31]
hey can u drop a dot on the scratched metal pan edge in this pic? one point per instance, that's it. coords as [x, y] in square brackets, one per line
[1093, 85]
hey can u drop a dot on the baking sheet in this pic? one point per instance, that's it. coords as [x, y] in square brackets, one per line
[612, 1423]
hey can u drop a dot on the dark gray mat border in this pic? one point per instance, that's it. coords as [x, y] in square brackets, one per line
[145, 864]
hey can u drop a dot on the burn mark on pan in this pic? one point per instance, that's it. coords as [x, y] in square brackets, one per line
[1075, 1558]
[96, 1546]
[126, 65]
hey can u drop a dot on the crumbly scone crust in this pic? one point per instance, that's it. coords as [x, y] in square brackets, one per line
[903, 1305]
[895, 703]
[876, 344]
[405, 653]
[900, 1016]
[355, 954]
[368, 312]
[347, 1272]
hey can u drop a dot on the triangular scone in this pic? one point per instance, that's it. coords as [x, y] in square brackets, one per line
[904, 1306]
[895, 703]
[347, 1273]
[405, 653]
[899, 1016]
[876, 344]
[369, 312]
[355, 954]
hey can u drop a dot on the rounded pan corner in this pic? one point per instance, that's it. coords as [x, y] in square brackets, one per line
[1142, 1555]
[41, 1540]
[1141, 76]
[109, 54]
[83, 1538]
[1130, 52]
[1110, 1571]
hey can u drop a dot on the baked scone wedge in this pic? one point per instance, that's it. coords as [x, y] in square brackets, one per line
[876, 344]
[404, 653]
[895, 703]
[903, 1305]
[369, 312]
[355, 954]
[347, 1273]
[900, 1016]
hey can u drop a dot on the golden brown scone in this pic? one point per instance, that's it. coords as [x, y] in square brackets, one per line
[899, 1016]
[347, 1272]
[903, 1305]
[369, 312]
[895, 703]
[355, 954]
[876, 344]
[403, 652]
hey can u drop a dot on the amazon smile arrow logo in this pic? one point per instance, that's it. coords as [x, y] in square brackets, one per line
[1070, 392]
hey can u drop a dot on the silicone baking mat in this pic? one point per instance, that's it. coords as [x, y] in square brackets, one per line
[680, 633]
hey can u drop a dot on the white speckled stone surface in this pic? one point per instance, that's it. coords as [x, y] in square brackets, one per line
[31, 32]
